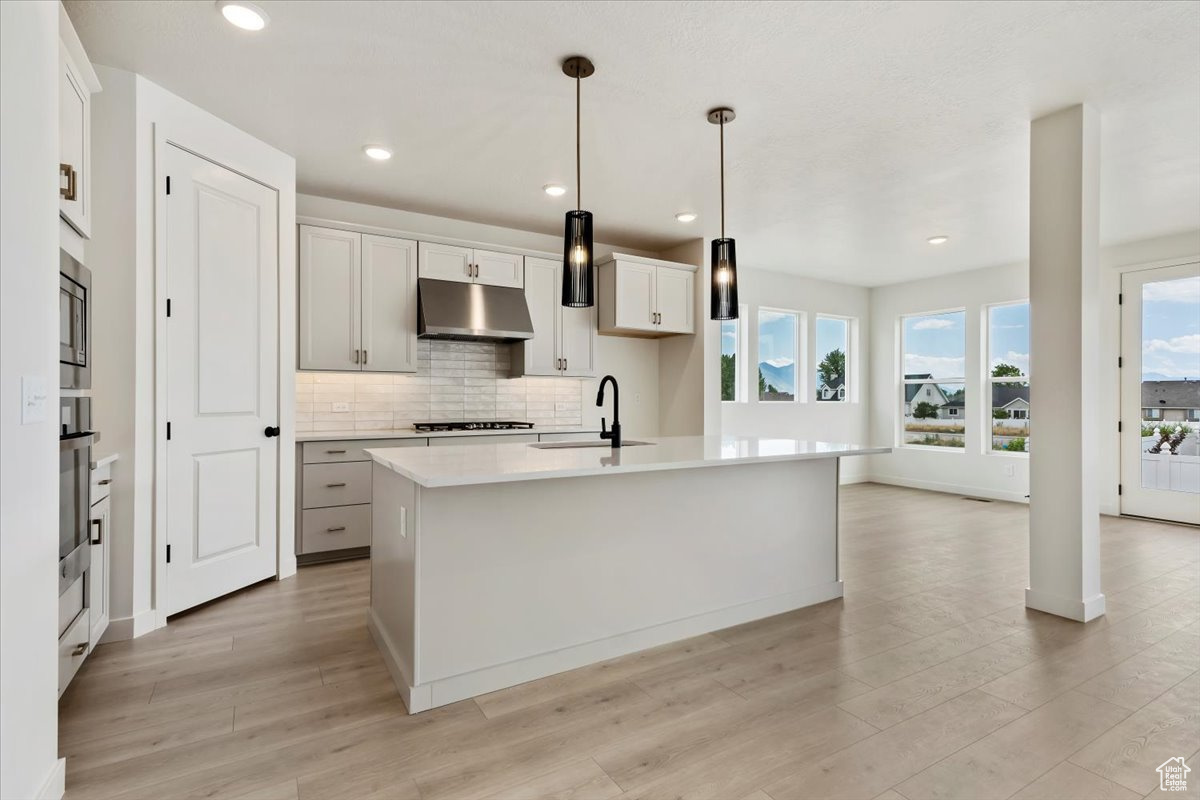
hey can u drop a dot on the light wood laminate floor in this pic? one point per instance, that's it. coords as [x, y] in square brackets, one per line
[928, 680]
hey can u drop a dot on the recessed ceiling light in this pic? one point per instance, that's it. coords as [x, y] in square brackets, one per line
[685, 216]
[938, 239]
[378, 153]
[246, 16]
[554, 189]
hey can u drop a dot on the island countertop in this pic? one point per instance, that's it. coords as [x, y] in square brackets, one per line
[466, 465]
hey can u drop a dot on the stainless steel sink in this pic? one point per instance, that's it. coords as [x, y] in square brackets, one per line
[568, 445]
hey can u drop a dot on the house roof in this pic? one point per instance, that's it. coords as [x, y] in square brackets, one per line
[911, 389]
[1004, 396]
[835, 384]
[1171, 394]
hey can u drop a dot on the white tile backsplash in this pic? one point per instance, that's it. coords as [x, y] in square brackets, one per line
[454, 381]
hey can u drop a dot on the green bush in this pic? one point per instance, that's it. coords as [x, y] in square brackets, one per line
[1148, 427]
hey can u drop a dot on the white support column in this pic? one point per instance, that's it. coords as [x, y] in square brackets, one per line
[1064, 223]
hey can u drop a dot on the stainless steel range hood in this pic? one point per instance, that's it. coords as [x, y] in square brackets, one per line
[471, 312]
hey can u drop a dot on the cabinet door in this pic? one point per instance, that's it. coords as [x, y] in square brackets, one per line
[444, 262]
[543, 295]
[98, 572]
[499, 269]
[330, 287]
[635, 305]
[673, 292]
[577, 341]
[74, 132]
[389, 304]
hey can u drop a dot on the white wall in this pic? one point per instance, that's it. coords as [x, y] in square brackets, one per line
[805, 419]
[972, 470]
[122, 257]
[29, 231]
[634, 362]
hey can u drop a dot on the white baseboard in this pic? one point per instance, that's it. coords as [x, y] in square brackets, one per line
[501, 676]
[1084, 610]
[122, 628]
[948, 488]
[55, 785]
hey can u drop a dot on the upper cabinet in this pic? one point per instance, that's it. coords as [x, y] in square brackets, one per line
[358, 301]
[77, 83]
[447, 262]
[645, 296]
[564, 339]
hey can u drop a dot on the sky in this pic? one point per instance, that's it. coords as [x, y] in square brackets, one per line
[935, 344]
[1008, 341]
[776, 338]
[1171, 329]
[831, 335]
[729, 337]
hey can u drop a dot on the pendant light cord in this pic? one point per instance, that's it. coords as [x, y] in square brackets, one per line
[578, 178]
[722, 126]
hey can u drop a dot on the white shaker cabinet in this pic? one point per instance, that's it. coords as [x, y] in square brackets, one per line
[358, 301]
[646, 297]
[564, 339]
[447, 262]
[77, 83]
[98, 574]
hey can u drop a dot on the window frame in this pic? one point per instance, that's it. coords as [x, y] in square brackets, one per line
[989, 381]
[902, 383]
[741, 388]
[800, 348]
[848, 393]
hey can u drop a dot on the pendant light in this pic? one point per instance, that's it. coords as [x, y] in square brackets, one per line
[578, 284]
[724, 256]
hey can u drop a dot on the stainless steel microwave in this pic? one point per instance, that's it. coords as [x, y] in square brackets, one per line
[74, 323]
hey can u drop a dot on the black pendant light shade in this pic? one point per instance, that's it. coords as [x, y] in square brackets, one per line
[578, 286]
[724, 256]
[578, 282]
[724, 280]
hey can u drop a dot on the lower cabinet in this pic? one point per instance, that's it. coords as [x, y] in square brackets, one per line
[73, 647]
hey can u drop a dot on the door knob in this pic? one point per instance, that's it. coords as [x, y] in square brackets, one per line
[269, 431]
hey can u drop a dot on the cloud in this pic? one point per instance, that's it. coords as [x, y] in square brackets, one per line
[933, 324]
[1181, 290]
[1178, 344]
[938, 366]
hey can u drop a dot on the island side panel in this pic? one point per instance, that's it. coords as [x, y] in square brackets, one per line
[393, 613]
[520, 580]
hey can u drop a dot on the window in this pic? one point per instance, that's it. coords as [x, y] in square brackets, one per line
[1151, 413]
[833, 347]
[933, 387]
[778, 346]
[733, 368]
[1008, 377]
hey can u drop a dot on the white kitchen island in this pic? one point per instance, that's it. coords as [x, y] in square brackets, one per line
[496, 564]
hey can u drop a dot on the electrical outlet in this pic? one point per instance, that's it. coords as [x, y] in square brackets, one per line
[1010, 470]
[341, 408]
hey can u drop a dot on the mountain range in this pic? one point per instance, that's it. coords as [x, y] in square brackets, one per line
[783, 378]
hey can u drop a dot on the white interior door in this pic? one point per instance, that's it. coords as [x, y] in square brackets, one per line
[389, 304]
[542, 295]
[221, 247]
[1160, 393]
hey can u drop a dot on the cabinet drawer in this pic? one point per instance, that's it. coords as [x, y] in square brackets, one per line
[334, 452]
[337, 484]
[336, 528]
[73, 647]
[101, 482]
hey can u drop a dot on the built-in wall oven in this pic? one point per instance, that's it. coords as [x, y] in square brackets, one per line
[74, 491]
[74, 323]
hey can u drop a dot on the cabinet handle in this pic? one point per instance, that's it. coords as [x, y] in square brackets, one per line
[104, 482]
[335, 452]
[99, 523]
[565, 362]
[66, 171]
[338, 529]
[334, 485]
[79, 650]
[364, 356]
[355, 356]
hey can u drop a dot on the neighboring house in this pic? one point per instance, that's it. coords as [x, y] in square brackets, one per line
[832, 390]
[1013, 399]
[1171, 401]
[917, 393]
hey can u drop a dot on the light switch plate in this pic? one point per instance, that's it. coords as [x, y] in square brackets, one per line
[34, 399]
[341, 408]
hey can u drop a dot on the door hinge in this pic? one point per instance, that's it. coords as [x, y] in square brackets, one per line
[168, 306]
[168, 184]
[168, 431]
[1120, 362]
[1119, 489]
[1121, 299]
[168, 554]
[1119, 427]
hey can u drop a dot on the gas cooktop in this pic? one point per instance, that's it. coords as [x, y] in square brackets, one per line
[489, 425]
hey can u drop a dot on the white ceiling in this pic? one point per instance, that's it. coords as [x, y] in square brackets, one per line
[862, 129]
